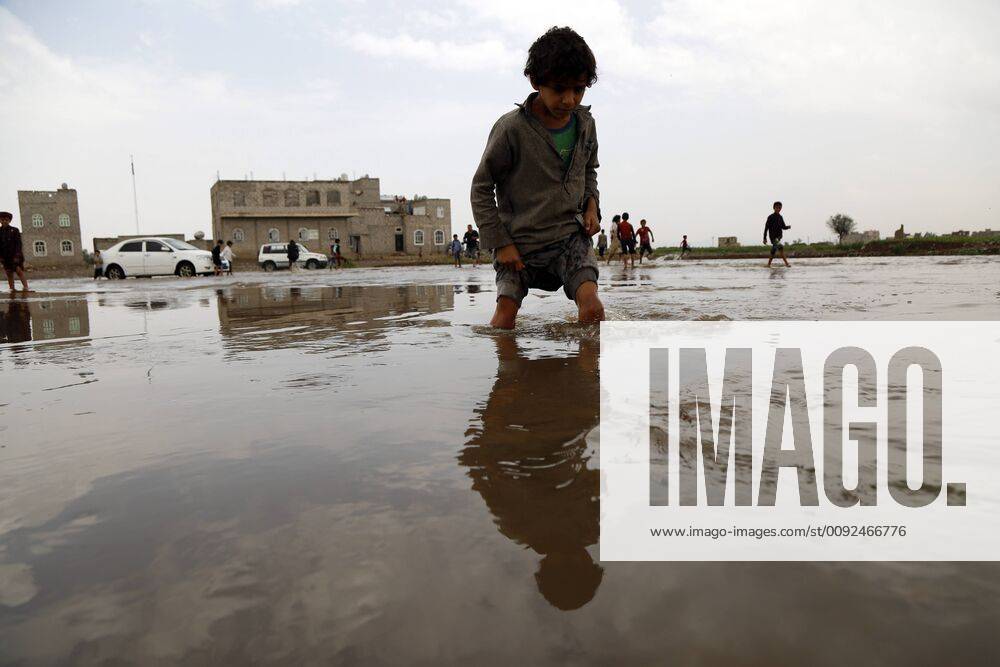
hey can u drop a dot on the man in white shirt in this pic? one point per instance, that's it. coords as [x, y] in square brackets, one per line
[228, 256]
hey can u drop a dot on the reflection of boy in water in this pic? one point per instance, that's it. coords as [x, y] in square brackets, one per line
[527, 459]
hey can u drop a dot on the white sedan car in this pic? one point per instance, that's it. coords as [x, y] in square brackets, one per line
[155, 256]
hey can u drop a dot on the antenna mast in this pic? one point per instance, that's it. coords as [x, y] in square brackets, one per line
[135, 197]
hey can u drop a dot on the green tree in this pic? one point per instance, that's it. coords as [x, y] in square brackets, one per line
[841, 225]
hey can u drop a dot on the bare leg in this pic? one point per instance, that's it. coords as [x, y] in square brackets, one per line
[10, 279]
[590, 307]
[783, 258]
[506, 313]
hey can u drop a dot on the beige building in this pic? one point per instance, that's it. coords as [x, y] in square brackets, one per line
[728, 242]
[860, 237]
[50, 227]
[368, 224]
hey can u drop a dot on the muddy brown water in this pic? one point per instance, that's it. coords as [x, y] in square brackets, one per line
[349, 468]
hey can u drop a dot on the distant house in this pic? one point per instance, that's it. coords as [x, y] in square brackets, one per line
[729, 242]
[860, 237]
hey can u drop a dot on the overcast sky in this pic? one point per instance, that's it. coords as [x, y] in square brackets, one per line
[706, 112]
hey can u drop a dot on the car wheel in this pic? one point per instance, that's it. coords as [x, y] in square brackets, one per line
[269, 266]
[185, 270]
[312, 264]
[114, 272]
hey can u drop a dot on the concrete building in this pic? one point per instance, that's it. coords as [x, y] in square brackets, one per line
[50, 227]
[860, 237]
[729, 242]
[368, 224]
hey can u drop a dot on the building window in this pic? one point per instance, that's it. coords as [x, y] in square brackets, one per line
[66, 248]
[418, 237]
[271, 198]
[291, 198]
[333, 197]
[273, 236]
[74, 325]
[239, 198]
[63, 220]
[37, 220]
[419, 210]
[40, 250]
[332, 234]
[440, 212]
[303, 234]
[438, 237]
[239, 235]
[49, 328]
[312, 198]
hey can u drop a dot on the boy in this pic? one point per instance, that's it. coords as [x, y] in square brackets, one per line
[773, 228]
[534, 195]
[602, 243]
[685, 248]
[335, 256]
[645, 240]
[11, 252]
[455, 247]
[98, 265]
[217, 257]
[616, 244]
[228, 256]
[292, 251]
[626, 233]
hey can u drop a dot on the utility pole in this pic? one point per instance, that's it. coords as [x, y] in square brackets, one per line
[135, 197]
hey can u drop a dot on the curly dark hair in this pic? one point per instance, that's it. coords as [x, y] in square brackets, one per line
[560, 55]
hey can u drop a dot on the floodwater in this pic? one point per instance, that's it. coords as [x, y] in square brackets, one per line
[349, 468]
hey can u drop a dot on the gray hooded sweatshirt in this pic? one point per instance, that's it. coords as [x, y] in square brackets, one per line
[521, 192]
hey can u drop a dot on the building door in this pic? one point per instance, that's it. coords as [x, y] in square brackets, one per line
[355, 242]
[399, 242]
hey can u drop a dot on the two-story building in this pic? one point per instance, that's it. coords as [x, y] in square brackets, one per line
[316, 213]
[50, 227]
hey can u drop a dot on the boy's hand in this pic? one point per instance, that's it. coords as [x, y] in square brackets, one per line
[590, 220]
[510, 257]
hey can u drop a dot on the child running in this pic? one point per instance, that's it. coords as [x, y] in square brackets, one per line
[534, 195]
[616, 244]
[645, 240]
[626, 233]
[98, 265]
[685, 248]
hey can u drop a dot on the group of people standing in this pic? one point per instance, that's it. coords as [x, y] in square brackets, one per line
[623, 240]
[470, 243]
[222, 257]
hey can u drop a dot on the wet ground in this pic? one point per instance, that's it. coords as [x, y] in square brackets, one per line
[349, 468]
